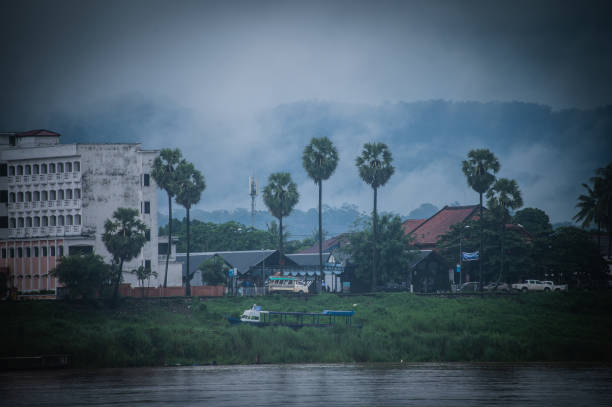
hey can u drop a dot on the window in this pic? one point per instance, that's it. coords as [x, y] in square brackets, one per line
[12, 140]
[36, 169]
[3, 170]
[77, 193]
[28, 252]
[147, 264]
[12, 170]
[68, 167]
[28, 169]
[53, 195]
[20, 170]
[146, 181]
[69, 194]
[60, 220]
[52, 220]
[19, 196]
[12, 253]
[51, 168]
[28, 196]
[60, 194]
[148, 235]
[20, 252]
[60, 167]
[69, 220]
[45, 221]
[52, 251]
[36, 196]
[13, 223]
[147, 207]
[20, 222]
[43, 168]
[45, 196]
[12, 197]
[36, 221]
[77, 219]
[4, 222]
[29, 222]
[44, 251]
[77, 166]
[4, 196]
[61, 251]
[36, 253]
[4, 253]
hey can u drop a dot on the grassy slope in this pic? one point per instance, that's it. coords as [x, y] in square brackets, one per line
[529, 327]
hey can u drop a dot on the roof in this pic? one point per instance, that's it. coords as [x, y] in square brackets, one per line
[428, 232]
[420, 255]
[411, 224]
[308, 259]
[328, 246]
[242, 260]
[38, 133]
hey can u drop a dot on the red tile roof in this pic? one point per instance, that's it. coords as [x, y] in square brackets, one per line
[428, 233]
[39, 132]
[412, 224]
[328, 245]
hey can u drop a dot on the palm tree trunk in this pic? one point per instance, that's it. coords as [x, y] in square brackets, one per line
[280, 232]
[321, 230]
[501, 265]
[375, 235]
[169, 239]
[117, 281]
[188, 277]
[480, 256]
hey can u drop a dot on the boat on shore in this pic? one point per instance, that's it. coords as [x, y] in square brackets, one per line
[328, 318]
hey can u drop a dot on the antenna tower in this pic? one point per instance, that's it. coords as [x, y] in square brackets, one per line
[253, 194]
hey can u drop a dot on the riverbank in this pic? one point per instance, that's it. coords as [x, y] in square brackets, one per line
[533, 327]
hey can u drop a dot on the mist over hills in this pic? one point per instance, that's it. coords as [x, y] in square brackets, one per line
[549, 152]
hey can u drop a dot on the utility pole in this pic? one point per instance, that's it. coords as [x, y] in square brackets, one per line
[253, 195]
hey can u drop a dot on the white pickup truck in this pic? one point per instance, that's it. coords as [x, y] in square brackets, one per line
[532, 285]
[556, 287]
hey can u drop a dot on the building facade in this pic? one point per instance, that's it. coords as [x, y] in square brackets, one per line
[56, 197]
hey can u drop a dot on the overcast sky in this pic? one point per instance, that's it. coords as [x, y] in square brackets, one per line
[227, 62]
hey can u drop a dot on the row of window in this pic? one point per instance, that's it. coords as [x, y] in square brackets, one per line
[51, 168]
[37, 221]
[29, 251]
[51, 195]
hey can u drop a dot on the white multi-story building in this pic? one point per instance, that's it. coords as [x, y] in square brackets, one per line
[55, 198]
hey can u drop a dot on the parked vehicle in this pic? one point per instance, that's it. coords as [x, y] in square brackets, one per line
[471, 287]
[556, 287]
[497, 287]
[288, 285]
[532, 285]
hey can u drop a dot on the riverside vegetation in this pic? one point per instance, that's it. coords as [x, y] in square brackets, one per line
[396, 326]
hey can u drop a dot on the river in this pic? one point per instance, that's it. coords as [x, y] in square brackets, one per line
[422, 384]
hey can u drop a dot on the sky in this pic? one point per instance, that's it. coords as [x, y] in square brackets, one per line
[215, 72]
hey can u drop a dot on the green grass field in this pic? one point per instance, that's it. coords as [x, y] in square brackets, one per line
[396, 326]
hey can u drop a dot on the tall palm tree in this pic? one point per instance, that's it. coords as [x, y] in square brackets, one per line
[503, 196]
[280, 196]
[375, 169]
[590, 209]
[190, 184]
[320, 160]
[480, 169]
[164, 174]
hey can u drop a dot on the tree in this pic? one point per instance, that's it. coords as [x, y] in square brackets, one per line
[280, 196]
[124, 237]
[190, 184]
[144, 274]
[164, 174]
[537, 223]
[214, 271]
[603, 191]
[503, 196]
[394, 248]
[375, 169]
[480, 169]
[320, 160]
[84, 276]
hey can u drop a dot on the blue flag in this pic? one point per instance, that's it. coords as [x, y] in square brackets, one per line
[470, 256]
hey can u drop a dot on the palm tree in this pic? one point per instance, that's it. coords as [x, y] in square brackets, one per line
[480, 169]
[503, 196]
[280, 196]
[164, 174]
[190, 184]
[320, 160]
[589, 212]
[375, 169]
